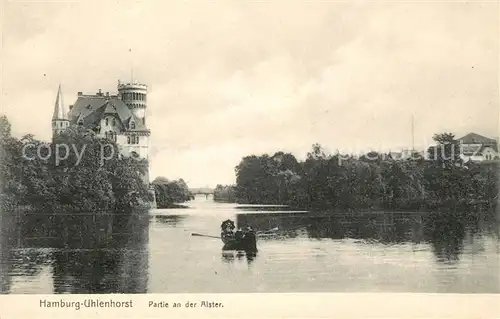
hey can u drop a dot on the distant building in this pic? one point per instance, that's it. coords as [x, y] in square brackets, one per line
[406, 154]
[478, 148]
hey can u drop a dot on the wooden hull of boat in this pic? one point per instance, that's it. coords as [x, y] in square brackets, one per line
[248, 244]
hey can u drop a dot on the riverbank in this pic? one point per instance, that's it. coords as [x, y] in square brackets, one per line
[174, 206]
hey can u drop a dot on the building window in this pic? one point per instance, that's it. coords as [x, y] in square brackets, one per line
[111, 136]
[133, 139]
[132, 126]
[114, 122]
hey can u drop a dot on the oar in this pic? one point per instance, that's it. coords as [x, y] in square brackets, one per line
[267, 231]
[201, 235]
[209, 236]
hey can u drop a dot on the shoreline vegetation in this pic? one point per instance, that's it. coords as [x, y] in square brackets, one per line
[82, 182]
[77, 172]
[374, 182]
[171, 193]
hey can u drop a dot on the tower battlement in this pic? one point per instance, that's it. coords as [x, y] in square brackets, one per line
[134, 95]
[131, 85]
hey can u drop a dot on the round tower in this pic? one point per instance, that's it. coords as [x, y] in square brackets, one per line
[134, 95]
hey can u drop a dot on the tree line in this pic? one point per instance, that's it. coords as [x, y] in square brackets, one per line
[373, 181]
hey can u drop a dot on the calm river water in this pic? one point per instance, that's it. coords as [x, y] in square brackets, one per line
[371, 252]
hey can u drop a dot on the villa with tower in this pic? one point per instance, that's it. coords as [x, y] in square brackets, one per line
[120, 117]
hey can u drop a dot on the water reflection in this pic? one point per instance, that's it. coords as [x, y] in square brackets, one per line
[230, 256]
[88, 253]
[298, 252]
[171, 220]
[444, 232]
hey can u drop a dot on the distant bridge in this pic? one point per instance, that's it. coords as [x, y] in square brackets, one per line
[202, 191]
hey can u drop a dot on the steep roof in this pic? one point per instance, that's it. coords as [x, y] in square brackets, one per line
[91, 109]
[473, 138]
[59, 110]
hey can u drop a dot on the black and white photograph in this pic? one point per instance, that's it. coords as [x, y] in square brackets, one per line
[158, 147]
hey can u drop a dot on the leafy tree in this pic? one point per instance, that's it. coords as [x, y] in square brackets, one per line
[447, 150]
[169, 192]
[225, 193]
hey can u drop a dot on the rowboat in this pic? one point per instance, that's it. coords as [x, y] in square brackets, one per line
[247, 242]
[244, 240]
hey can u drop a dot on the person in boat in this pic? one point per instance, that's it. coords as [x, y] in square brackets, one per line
[239, 234]
[227, 230]
[250, 239]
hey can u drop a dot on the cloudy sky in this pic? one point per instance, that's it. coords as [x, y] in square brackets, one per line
[232, 78]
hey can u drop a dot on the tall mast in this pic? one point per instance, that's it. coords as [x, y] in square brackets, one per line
[131, 65]
[412, 133]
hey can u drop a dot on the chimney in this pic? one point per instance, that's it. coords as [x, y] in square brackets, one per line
[99, 93]
[80, 93]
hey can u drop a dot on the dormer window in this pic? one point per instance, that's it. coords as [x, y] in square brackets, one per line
[80, 122]
[132, 125]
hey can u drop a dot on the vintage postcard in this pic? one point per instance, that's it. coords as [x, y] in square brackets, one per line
[234, 159]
